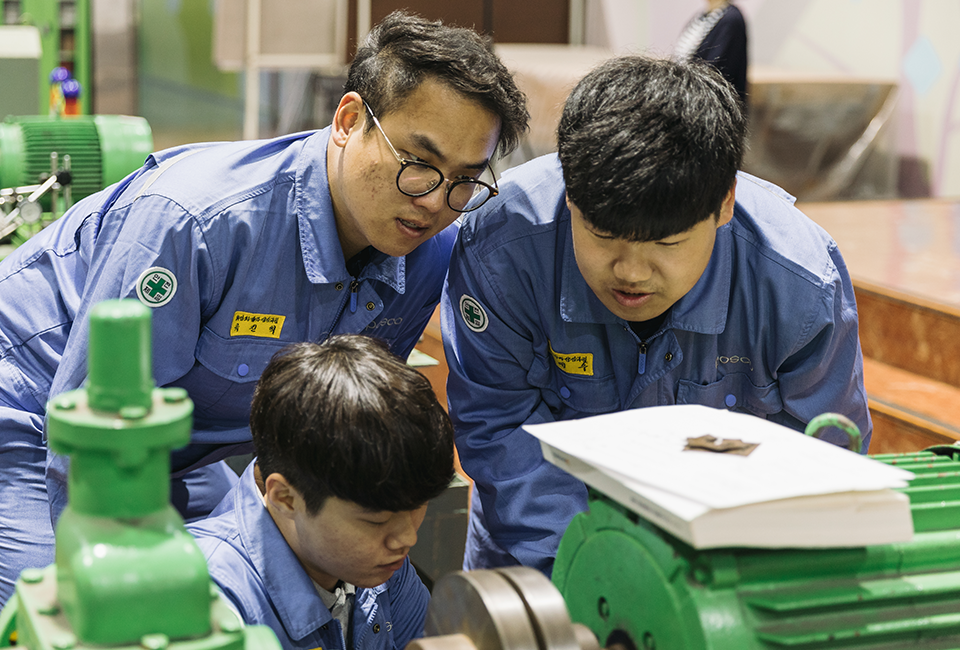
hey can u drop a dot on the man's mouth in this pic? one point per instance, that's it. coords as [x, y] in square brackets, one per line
[630, 298]
[410, 224]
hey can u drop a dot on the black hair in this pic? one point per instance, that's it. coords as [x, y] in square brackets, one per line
[349, 419]
[650, 147]
[403, 50]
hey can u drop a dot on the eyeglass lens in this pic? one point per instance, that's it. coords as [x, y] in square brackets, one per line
[416, 180]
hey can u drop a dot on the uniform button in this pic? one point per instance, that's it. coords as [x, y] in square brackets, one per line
[376, 628]
[371, 306]
[668, 356]
[339, 286]
[730, 401]
[243, 369]
[565, 392]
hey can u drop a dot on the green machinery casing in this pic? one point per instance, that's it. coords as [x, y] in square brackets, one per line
[102, 149]
[619, 574]
[127, 573]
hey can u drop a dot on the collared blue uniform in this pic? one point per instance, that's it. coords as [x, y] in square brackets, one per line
[235, 246]
[256, 570]
[769, 329]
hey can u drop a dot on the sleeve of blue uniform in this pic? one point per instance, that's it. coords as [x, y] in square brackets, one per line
[825, 373]
[151, 232]
[527, 502]
[409, 599]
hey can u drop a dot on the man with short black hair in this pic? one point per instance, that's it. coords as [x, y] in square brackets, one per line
[242, 248]
[351, 444]
[635, 268]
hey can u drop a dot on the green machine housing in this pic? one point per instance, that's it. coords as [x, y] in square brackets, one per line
[102, 149]
[127, 573]
[632, 583]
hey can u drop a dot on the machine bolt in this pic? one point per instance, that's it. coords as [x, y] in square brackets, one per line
[32, 576]
[133, 412]
[65, 404]
[154, 641]
[174, 395]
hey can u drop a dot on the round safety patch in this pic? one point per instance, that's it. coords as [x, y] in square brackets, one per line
[156, 286]
[473, 314]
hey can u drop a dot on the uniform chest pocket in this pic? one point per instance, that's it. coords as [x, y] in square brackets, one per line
[221, 383]
[734, 391]
[571, 395]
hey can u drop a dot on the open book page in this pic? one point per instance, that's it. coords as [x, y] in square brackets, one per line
[647, 446]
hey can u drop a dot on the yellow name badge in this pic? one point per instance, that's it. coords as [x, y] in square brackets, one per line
[266, 326]
[578, 363]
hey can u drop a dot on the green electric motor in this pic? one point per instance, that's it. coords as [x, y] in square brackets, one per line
[636, 586]
[102, 149]
[127, 572]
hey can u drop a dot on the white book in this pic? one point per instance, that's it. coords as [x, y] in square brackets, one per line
[791, 491]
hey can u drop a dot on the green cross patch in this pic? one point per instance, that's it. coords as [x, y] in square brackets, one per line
[156, 286]
[473, 314]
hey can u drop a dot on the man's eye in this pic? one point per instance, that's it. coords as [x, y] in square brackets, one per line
[376, 522]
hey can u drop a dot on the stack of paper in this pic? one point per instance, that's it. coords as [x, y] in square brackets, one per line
[790, 491]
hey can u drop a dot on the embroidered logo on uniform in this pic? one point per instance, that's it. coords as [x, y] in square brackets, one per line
[265, 326]
[577, 363]
[384, 322]
[473, 314]
[723, 360]
[156, 286]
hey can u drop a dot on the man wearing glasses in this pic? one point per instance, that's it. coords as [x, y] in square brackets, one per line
[243, 248]
[635, 268]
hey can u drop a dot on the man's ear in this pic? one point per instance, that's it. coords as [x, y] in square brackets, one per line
[349, 117]
[280, 495]
[726, 208]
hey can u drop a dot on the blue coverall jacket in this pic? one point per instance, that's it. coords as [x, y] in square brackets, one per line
[235, 247]
[770, 329]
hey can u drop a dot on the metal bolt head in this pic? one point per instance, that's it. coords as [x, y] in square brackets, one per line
[154, 641]
[174, 395]
[32, 576]
[65, 404]
[133, 412]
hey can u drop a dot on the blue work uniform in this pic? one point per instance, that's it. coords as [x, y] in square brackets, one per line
[770, 329]
[260, 575]
[235, 247]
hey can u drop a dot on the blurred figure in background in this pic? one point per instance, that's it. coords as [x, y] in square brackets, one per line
[719, 37]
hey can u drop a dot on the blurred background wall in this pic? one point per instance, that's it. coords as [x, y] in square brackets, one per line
[913, 42]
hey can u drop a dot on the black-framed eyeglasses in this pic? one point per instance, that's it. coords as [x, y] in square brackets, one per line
[417, 178]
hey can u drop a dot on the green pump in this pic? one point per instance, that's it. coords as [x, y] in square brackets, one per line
[127, 573]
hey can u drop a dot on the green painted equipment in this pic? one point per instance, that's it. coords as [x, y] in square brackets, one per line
[127, 572]
[620, 575]
[47, 163]
[102, 149]
[621, 582]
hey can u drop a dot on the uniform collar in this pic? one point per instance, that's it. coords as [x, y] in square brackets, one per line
[295, 599]
[703, 310]
[319, 244]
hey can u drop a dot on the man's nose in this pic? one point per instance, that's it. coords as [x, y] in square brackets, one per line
[405, 534]
[434, 201]
[633, 267]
